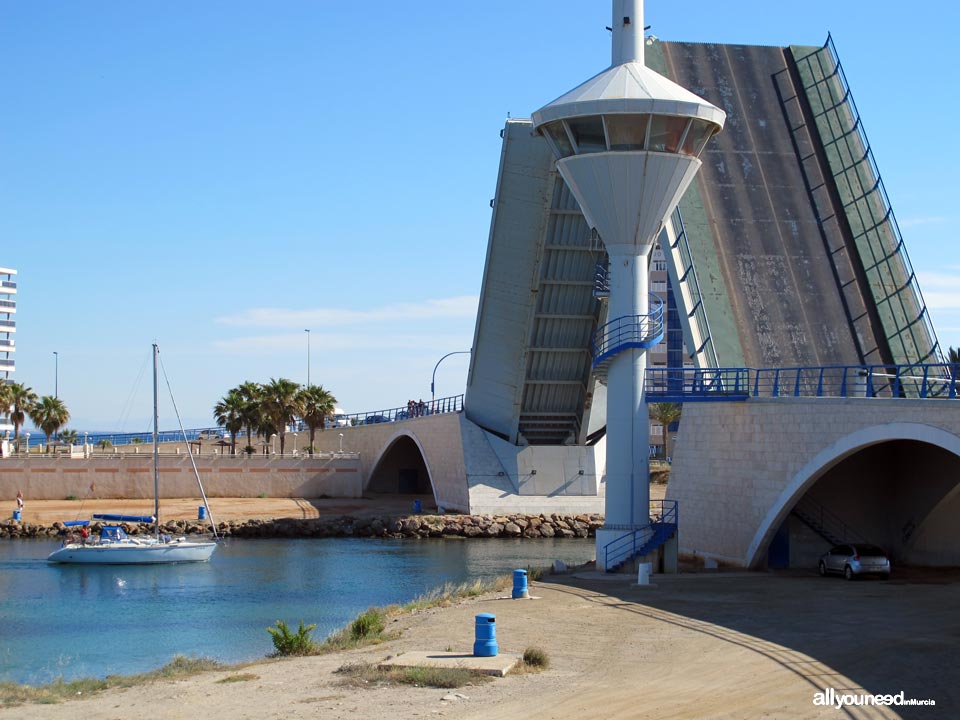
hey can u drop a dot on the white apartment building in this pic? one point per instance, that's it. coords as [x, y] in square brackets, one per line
[8, 325]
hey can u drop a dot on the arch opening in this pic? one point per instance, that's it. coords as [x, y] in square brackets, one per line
[401, 470]
[900, 494]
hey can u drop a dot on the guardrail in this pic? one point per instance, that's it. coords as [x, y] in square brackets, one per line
[423, 408]
[420, 408]
[936, 380]
[641, 331]
[644, 539]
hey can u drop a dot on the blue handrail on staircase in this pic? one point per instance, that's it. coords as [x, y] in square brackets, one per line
[643, 540]
[628, 331]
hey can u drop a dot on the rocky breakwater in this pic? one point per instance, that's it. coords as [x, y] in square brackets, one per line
[409, 526]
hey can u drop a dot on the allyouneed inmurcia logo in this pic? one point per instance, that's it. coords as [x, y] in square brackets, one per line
[831, 698]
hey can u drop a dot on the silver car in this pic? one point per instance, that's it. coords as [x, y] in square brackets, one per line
[855, 559]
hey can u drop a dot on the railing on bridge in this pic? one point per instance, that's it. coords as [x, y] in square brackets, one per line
[451, 404]
[421, 408]
[938, 380]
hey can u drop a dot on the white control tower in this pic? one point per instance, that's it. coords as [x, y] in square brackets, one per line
[627, 143]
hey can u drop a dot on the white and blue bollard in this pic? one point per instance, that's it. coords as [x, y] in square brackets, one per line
[520, 585]
[485, 644]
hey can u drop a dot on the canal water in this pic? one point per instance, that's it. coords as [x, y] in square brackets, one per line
[91, 621]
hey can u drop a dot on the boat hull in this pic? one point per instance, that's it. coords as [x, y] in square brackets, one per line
[139, 553]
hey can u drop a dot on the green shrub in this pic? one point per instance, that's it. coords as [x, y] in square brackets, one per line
[249, 449]
[289, 643]
[368, 624]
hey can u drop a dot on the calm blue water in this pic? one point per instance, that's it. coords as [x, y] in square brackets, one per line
[77, 621]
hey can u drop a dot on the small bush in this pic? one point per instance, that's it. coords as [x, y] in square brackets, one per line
[368, 624]
[262, 495]
[70, 497]
[535, 657]
[249, 449]
[289, 643]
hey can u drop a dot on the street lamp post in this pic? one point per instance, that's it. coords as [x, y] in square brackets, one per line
[273, 444]
[307, 331]
[27, 436]
[294, 443]
[433, 377]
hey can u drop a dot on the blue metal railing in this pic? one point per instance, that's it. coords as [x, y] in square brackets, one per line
[629, 331]
[937, 380]
[451, 404]
[645, 539]
[417, 409]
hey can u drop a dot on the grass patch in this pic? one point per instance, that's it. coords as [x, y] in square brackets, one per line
[239, 677]
[449, 593]
[367, 674]
[368, 628]
[61, 690]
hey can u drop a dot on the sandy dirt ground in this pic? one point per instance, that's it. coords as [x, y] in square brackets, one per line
[49, 511]
[729, 645]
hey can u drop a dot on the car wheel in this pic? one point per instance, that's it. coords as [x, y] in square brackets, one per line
[848, 573]
[885, 576]
[823, 569]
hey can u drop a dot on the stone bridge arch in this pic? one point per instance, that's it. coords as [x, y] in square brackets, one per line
[402, 467]
[938, 516]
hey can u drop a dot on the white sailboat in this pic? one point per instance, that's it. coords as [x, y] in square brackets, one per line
[115, 547]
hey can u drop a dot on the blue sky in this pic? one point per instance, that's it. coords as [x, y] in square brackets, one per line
[220, 176]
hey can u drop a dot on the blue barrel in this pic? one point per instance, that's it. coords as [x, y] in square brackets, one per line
[417, 507]
[16, 515]
[486, 642]
[202, 513]
[520, 584]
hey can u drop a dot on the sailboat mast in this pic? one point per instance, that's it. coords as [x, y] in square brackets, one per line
[156, 445]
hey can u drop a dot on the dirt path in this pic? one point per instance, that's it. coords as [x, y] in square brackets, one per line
[49, 511]
[720, 646]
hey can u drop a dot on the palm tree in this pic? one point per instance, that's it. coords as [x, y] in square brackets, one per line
[666, 413]
[5, 399]
[69, 437]
[49, 414]
[316, 404]
[104, 444]
[953, 355]
[280, 405]
[229, 414]
[22, 400]
[252, 394]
